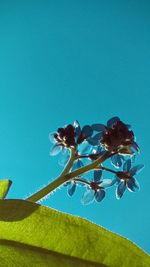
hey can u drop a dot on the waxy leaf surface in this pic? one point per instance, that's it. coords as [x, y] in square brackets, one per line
[35, 235]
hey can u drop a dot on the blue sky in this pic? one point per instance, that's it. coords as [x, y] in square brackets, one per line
[67, 60]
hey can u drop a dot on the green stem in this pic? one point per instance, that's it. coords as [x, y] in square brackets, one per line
[70, 162]
[65, 176]
[54, 184]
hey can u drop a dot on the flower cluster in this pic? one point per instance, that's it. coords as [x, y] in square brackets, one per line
[71, 136]
[90, 145]
[118, 137]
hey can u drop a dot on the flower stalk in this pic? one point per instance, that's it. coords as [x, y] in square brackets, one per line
[65, 176]
[96, 143]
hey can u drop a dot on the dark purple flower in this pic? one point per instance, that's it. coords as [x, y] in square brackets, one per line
[65, 136]
[62, 139]
[118, 138]
[69, 137]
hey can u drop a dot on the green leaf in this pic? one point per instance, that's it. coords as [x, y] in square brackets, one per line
[34, 235]
[4, 187]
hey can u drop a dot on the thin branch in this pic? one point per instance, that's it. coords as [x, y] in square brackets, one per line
[107, 169]
[80, 180]
[64, 177]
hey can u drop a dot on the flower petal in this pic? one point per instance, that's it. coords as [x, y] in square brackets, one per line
[133, 185]
[126, 150]
[116, 160]
[99, 195]
[112, 121]
[98, 136]
[97, 176]
[116, 180]
[127, 165]
[87, 130]
[77, 164]
[98, 127]
[136, 147]
[120, 190]
[71, 189]
[55, 150]
[136, 169]
[52, 138]
[86, 161]
[92, 141]
[77, 128]
[88, 197]
[64, 159]
[128, 126]
[66, 184]
[80, 163]
[84, 148]
[107, 182]
[97, 150]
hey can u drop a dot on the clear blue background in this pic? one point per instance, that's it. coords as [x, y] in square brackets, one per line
[67, 60]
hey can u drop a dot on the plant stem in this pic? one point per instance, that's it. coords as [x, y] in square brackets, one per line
[70, 162]
[81, 181]
[64, 177]
[88, 156]
[107, 169]
[54, 184]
